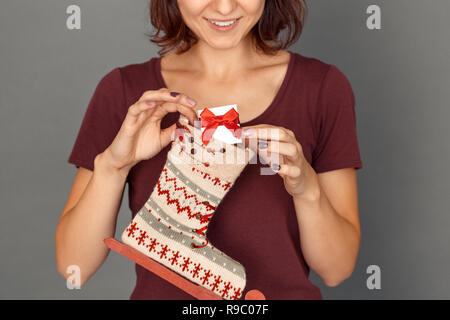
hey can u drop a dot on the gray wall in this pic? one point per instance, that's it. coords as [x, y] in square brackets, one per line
[400, 76]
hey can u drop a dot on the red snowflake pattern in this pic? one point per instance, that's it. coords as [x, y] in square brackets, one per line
[131, 229]
[237, 293]
[206, 277]
[152, 245]
[187, 262]
[226, 288]
[196, 270]
[216, 283]
[142, 237]
[163, 251]
[176, 257]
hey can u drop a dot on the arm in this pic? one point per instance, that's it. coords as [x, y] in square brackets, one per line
[328, 222]
[91, 212]
[89, 217]
[325, 204]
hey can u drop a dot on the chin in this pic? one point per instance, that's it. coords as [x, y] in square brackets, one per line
[223, 44]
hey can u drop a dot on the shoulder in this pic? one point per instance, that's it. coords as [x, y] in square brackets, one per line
[137, 69]
[134, 71]
[118, 85]
[310, 65]
[314, 70]
[320, 77]
[133, 79]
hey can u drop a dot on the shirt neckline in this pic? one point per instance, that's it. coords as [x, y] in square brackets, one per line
[278, 96]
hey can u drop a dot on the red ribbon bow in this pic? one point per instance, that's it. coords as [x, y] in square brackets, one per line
[210, 122]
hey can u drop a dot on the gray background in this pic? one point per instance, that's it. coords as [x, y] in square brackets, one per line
[400, 76]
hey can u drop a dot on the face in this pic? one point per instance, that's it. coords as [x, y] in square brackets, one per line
[222, 24]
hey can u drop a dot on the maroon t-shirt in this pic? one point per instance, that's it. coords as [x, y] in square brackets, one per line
[256, 223]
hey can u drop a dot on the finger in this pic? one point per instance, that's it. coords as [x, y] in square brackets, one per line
[250, 135]
[287, 170]
[167, 107]
[136, 110]
[267, 158]
[290, 150]
[189, 113]
[165, 95]
[268, 132]
[167, 135]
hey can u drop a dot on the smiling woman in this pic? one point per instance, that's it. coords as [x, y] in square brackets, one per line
[265, 231]
[265, 20]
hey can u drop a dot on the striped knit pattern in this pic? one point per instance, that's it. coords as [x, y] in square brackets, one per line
[187, 193]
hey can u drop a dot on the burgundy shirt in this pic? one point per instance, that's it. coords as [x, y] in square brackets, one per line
[256, 222]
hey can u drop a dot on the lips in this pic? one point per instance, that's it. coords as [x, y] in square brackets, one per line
[222, 20]
[223, 25]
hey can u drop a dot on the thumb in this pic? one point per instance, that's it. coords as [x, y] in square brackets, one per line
[167, 135]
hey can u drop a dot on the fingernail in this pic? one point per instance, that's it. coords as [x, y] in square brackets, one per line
[248, 132]
[262, 144]
[191, 101]
[150, 103]
[276, 167]
[174, 94]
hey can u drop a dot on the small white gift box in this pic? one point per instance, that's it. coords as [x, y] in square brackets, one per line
[222, 133]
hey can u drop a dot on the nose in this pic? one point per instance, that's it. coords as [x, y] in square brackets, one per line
[224, 7]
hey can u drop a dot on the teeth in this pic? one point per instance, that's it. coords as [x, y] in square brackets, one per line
[224, 23]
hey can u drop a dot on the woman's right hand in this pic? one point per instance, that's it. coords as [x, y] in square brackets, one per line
[140, 136]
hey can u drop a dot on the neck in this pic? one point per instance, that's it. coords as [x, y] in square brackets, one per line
[222, 64]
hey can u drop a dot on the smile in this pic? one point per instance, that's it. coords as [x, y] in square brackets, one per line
[223, 25]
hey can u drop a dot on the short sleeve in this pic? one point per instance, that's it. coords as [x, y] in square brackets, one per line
[337, 143]
[101, 122]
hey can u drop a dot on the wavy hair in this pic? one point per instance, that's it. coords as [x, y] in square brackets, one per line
[170, 32]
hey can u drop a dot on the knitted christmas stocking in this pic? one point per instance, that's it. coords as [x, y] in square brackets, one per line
[171, 227]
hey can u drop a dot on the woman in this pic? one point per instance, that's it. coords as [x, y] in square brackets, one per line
[278, 226]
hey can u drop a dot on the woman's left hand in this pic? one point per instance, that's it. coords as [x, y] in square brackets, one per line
[279, 147]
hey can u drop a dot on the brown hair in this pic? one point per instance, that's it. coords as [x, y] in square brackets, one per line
[278, 15]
